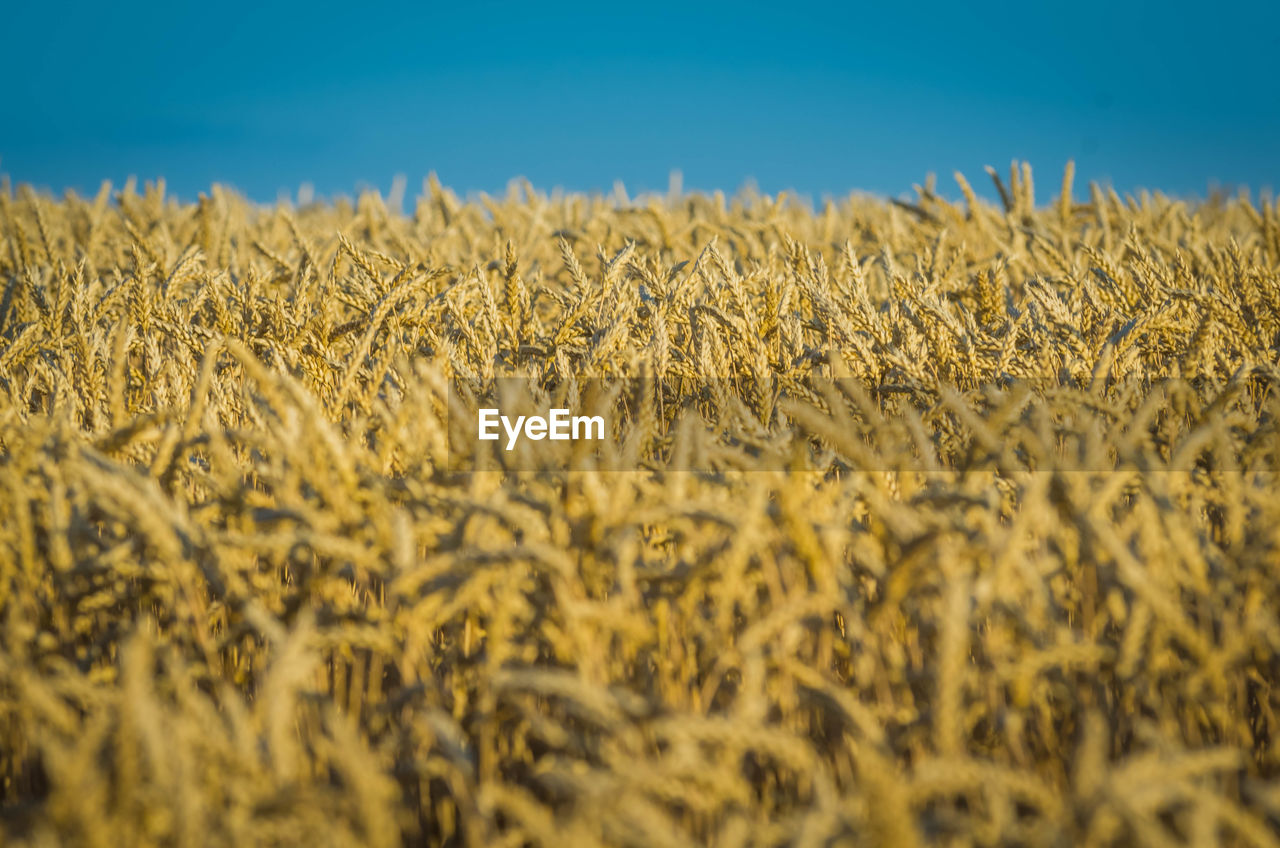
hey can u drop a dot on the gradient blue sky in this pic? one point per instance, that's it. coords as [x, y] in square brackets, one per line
[820, 98]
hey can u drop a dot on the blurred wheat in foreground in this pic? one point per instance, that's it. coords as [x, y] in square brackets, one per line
[245, 601]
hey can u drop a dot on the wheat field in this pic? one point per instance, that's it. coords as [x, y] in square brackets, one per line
[919, 522]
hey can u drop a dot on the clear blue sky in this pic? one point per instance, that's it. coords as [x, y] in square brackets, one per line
[821, 98]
